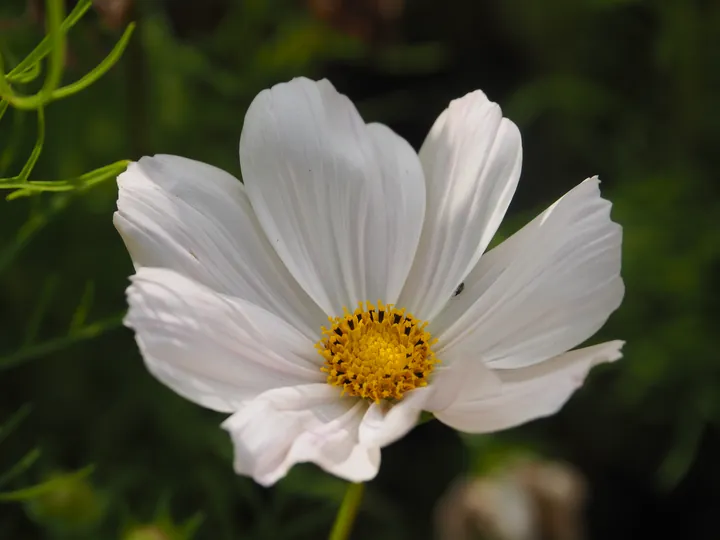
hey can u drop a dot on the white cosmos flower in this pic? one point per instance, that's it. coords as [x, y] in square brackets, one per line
[234, 283]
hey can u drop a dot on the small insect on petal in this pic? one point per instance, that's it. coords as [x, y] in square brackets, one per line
[459, 289]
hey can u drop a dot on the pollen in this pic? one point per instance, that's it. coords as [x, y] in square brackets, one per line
[377, 353]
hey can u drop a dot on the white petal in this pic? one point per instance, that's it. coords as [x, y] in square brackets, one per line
[310, 423]
[460, 379]
[544, 291]
[214, 349]
[384, 423]
[528, 393]
[472, 159]
[342, 202]
[449, 384]
[191, 217]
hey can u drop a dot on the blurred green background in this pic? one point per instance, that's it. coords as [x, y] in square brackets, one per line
[627, 89]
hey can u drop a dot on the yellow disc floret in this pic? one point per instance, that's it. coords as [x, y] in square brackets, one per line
[377, 353]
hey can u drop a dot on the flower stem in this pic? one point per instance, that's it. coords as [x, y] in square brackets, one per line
[348, 510]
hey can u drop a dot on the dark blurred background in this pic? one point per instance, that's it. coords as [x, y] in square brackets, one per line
[626, 89]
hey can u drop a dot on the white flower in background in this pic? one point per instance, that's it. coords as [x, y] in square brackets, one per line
[317, 302]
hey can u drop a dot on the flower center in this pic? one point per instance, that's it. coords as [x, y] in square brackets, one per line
[377, 353]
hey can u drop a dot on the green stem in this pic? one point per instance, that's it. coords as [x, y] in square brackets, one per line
[55, 15]
[348, 510]
[42, 349]
[98, 71]
[45, 45]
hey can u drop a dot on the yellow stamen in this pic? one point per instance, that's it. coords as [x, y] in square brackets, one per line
[378, 353]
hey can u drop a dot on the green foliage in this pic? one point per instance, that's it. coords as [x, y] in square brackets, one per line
[27, 70]
[644, 110]
[54, 47]
[64, 503]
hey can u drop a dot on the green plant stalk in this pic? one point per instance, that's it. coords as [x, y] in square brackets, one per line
[41, 349]
[27, 76]
[33, 226]
[347, 513]
[55, 16]
[15, 420]
[6, 93]
[54, 44]
[27, 461]
[3, 106]
[37, 149]
[43, 48]
[100, 70]
[84, 181]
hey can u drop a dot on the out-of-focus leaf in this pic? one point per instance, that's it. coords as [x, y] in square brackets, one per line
[412, 59]
[27, 461]
[37, 148]
[35, 223]
[568, 94]
[3, 107]
[32, 492]
[46, 296]
[15, 420]
[88, 331]
[83, 308]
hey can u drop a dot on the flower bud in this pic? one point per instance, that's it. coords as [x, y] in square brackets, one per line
[70, 504]
[148, 532]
